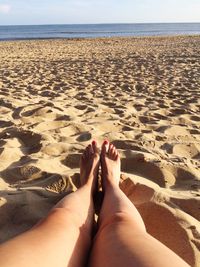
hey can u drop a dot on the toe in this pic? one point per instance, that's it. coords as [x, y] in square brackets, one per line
[94, 146]
[87, 151]
[116, 154]
[109, 147]
[110, 150]
[83, 156]
[113, 152]
[95, 149]
[104, 148]
[90, 150]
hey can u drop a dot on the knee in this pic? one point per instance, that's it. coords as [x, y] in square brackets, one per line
[67, 216]
[119, 219]
[64, 215]
[55, 216]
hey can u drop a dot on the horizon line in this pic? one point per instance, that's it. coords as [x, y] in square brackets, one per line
[100, 23]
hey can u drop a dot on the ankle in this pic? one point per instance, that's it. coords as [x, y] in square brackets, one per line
[87, 186]
[111, 185]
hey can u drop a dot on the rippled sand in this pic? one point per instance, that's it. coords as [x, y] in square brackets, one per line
[143, 94]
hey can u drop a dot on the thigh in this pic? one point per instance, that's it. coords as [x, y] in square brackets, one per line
[55, 241]
[122, 243]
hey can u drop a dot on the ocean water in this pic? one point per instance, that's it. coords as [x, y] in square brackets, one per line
[96, 30]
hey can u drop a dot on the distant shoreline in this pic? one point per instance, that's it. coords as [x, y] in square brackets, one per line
[82, 31]
[114, 23]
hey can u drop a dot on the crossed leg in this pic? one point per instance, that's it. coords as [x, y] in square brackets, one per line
[63, 238]
[122, 239]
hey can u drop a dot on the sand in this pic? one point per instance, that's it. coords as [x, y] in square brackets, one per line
[143, 94]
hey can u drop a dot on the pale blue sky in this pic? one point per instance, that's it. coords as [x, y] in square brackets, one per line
[97, 11]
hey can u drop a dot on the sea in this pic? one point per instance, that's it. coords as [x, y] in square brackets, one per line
[20, 32]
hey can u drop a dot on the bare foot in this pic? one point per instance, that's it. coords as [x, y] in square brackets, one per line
[89, 166]
[110, 165]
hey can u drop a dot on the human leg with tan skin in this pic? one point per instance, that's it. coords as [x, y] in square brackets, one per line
[63, 238]
[121, 239]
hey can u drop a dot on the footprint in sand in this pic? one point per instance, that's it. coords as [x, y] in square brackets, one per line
[62, 185]
[186, 150]
[149, 170]
[13, 175]
[31, 142]
[83, 137]
[81, 107]
[4, 124]
[72, 161]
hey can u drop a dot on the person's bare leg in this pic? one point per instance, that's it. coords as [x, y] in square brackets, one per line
[63, 238]
[121, 239]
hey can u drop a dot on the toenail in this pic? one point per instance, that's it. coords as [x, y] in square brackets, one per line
[105, 142]
[94, 142]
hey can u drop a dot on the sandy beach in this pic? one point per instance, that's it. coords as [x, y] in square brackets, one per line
[142, 94]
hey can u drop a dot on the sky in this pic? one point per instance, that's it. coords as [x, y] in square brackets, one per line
[27, 12]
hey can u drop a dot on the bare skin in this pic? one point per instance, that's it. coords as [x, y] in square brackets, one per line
[64, 237]
[89, 166]
[122, 239]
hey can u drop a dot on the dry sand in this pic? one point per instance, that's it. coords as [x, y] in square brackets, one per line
[143, 94]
